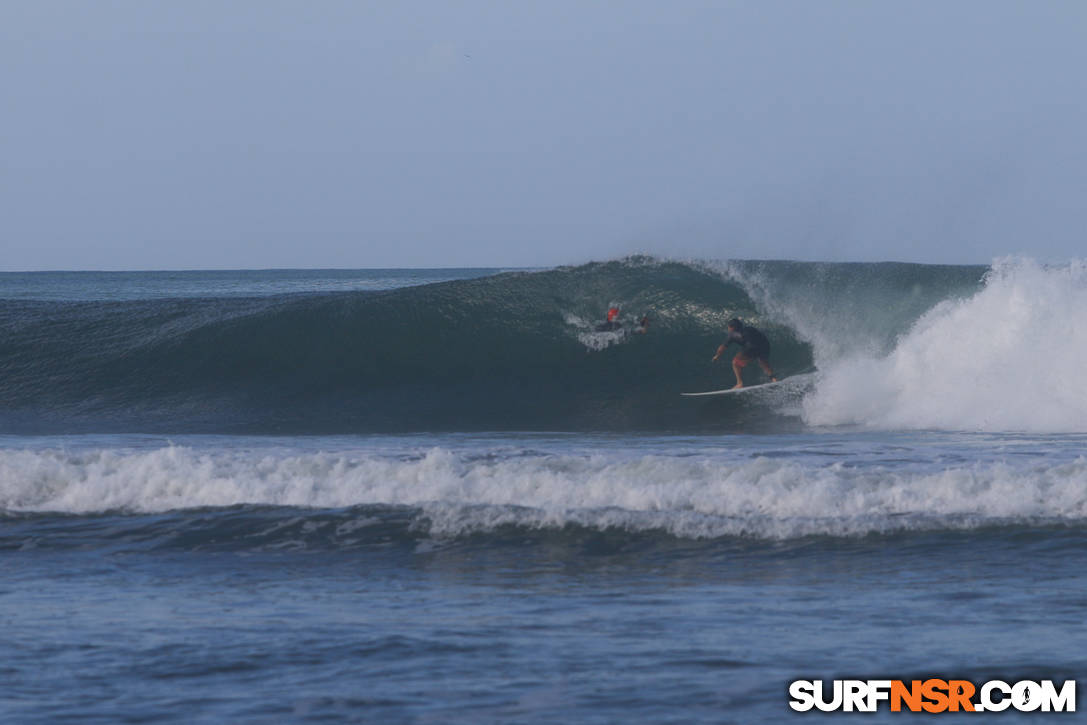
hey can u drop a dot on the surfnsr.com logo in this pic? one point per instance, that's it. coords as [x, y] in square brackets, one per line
[932, 695]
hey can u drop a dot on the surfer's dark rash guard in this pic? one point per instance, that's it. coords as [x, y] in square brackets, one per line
[754, 343]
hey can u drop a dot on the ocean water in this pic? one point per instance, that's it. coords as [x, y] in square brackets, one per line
[442, 496]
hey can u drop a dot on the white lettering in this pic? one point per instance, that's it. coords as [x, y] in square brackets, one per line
[1064, 701]
[878, 690]
[803, 694]
[990, 705]
[1027, 696]
[834, 703]
[855, 694]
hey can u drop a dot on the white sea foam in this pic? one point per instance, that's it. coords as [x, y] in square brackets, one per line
[593, 339]
[1008, 358]
[692, 496]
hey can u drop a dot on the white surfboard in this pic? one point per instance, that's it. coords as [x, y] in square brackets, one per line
[728, 391]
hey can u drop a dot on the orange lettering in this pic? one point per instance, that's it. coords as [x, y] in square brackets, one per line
[911, 695]
[934, 691]
[960, 692]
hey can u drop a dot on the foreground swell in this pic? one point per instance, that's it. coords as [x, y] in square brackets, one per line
[341, 498]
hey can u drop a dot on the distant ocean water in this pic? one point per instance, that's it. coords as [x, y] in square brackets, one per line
[442, 495]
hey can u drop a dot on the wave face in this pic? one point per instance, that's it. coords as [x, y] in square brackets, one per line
[896, 346]
[509, 351]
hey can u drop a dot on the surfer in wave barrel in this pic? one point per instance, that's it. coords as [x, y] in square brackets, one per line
[614, 324]
[755, 347]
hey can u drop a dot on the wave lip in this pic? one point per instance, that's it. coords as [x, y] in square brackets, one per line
[688, 497]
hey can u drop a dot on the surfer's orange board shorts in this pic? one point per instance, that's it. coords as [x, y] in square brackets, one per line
[741, 360]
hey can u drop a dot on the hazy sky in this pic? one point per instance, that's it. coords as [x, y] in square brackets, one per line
[250, 133]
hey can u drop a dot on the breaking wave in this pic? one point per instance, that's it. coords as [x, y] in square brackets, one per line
[446, 494]
[896, 346]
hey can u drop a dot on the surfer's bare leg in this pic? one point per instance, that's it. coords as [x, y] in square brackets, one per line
[737, 367]
[765, 365]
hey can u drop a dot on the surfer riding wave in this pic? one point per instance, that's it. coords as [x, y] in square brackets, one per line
[754, 346]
